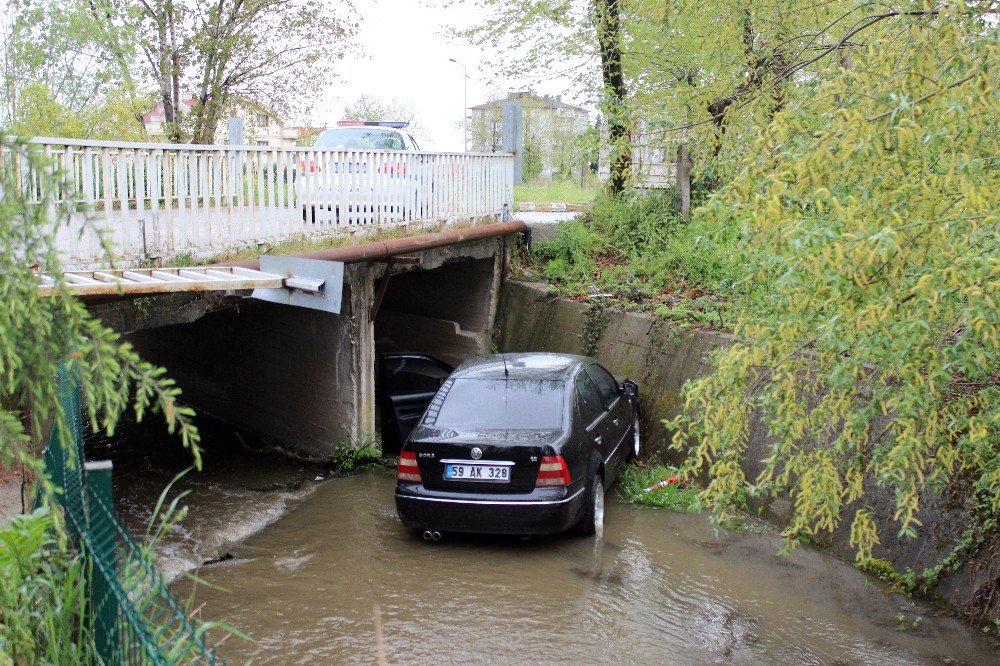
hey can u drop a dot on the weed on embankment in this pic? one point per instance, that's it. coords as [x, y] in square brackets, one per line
[637, 251]
[349, 456]
[636, 479]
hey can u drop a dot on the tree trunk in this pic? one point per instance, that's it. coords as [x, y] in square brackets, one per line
[169, 109]
[175, 63]
[608, 24]
[683, 175]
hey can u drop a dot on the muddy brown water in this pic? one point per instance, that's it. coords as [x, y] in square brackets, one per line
[661, 587]
[318, 565]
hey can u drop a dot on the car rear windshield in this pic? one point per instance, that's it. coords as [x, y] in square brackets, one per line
[360, 137]
[510, 404]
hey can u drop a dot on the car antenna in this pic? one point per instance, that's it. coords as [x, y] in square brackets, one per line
[503, 357]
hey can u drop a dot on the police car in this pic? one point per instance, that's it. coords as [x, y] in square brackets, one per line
[347, 180]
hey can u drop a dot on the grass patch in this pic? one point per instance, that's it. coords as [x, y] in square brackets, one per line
[566, 191]
[347, 456]
[634, 480]
[638, 250]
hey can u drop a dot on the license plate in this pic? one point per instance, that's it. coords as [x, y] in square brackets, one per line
[480, 473]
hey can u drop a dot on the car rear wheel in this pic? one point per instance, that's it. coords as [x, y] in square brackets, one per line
[592, 521]
[636, 436]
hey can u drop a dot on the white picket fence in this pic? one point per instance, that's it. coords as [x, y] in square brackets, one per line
[162, 200]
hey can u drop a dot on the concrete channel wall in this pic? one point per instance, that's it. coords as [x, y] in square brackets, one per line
[662, 357]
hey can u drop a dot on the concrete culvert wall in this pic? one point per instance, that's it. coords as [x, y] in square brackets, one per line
[286, 373]
[662, 357]
[304, 379]
[446, 311]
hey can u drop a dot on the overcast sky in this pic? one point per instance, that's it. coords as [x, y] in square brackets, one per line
[403, 53]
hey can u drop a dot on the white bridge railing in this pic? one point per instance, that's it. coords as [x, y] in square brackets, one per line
[160, 200]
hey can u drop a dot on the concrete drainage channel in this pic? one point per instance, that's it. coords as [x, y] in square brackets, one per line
[331, 561]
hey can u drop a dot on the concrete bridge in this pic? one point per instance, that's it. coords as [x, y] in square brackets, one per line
[150, 202]
[305, 378]
[302, 377]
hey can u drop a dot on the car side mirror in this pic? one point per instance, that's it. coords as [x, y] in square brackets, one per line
[630, 388]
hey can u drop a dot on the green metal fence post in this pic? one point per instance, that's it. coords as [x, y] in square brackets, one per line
[104, 608]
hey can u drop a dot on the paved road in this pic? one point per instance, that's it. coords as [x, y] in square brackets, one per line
[535, 217]
[544, 225]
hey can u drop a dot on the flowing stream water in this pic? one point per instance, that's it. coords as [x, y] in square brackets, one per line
[323, 572]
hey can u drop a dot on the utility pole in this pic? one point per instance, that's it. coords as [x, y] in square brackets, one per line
[465, 105]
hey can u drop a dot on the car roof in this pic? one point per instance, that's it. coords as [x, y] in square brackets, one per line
[525, 365]
[371, 128]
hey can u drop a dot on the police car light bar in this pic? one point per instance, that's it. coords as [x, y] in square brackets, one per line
[395, 124]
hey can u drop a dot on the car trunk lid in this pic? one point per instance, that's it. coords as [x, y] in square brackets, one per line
[481, 451]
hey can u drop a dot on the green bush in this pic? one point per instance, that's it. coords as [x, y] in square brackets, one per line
[636, 223]
[348, 456]
[570, 255]
[637, 248]
[43, 597]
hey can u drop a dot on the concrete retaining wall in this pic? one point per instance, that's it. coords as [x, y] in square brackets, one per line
[661, 357]
[287, 373]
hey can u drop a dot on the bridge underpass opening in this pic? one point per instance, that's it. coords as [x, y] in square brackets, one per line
[283, 372]
[446, 312]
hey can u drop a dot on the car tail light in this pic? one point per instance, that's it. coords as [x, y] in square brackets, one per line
[553, 472]
[407, 469]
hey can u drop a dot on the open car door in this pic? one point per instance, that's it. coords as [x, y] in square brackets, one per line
[407, 383]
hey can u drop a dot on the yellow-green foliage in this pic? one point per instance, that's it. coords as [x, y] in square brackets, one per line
[881, 569]
[38, 332]
[872, 203]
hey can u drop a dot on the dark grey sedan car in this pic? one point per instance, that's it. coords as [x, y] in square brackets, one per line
[509, 443]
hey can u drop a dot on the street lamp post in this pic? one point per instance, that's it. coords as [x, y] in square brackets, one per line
[465, 104]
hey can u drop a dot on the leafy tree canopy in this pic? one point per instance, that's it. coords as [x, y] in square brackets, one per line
[868, 207]
[55, 79]
[102, 57]
[369, 107]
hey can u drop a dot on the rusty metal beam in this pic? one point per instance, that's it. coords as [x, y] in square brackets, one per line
[353, 254]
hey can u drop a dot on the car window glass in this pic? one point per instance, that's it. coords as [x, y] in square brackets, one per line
[413, 375]
[510, 404]
[361, 137]
[606, 384]
[588, 399]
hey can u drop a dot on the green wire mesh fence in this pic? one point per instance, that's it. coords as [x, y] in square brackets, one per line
[134, 617]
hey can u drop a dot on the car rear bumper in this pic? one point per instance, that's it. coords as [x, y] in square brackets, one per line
[454, 513]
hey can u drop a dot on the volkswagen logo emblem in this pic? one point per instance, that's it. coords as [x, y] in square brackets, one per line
[477, 453]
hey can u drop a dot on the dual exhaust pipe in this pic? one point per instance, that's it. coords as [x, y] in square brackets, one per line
[432, 535]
